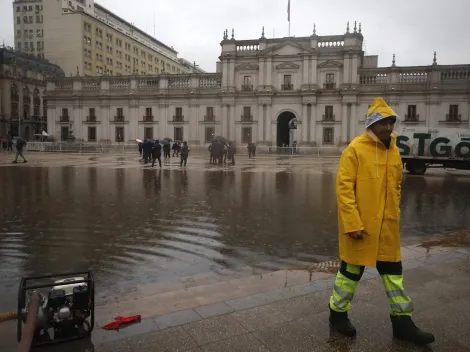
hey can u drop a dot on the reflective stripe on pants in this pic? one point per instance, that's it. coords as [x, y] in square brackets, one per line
[343, 291]
[400, 302]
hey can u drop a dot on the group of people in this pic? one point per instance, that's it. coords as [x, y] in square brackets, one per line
[219, 151]
[151, 150]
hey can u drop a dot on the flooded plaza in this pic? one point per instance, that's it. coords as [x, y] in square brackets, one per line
[145, 230]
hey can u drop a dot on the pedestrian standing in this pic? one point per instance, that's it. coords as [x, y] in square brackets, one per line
[174, 147]
[157, 154]
[10, 143]
[166, 150]
[368, 192]
[184, 154]
[231, 152]
[20, 144]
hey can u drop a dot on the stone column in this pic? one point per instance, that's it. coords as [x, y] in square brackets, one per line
[224, 121]
[354, 69]
[260, 122]
[344, 124]
[269, 73]
[269, 124]
[265, 118]
[305, 124]
[313, 123]
[231, 122]
[353, 122]
[232, 73]
[224, 73]
[313, 71]
[261, 72]
[305, 78]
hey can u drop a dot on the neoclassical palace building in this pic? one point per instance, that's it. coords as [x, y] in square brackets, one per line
[323, 83]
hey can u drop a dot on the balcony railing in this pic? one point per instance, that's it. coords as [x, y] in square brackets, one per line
[178, 118]
[247, 118]
[64, 119]
[91, 118]
[411, 117]
[287, 86]
[453, 117]
[247, 87]
[148, 118]
[209, 118]
[329, 85]
[328, 117]
[119, 118]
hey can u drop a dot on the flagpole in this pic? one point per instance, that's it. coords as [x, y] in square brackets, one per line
[288, 14]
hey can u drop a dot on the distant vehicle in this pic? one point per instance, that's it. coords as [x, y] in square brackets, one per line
[423, 147]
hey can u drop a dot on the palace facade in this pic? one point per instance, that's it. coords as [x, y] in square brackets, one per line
[322, 83]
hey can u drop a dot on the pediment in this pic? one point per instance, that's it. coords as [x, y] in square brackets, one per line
[288, 66]
[286, 48]
[330, 63]
[247, 67]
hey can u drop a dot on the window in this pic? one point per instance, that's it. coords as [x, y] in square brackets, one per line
[91, 134]
[99, 33]
[411, 115]
[99, 45]
[91, 114]
[178, 114]
[30, 8]
[329, 116]
[109, 37]
[178, 134]
[453, 113]
[287, 83]
[25, 19]
[18, 9]
[18, 19]
[18, 33]
[65, 114]
[330, 81]
[247, 83]
[148, 132]
[210, 131]
[119, 43]
[210, 113]
[30, 19]
[328, 135]
[39, 33]
[119, 134]
[64, 133]
[148, 114]
[246, 135]
[143, 54]
[39, 45]
[246, 113]
[19, 45]
[87, 40]
[38, 18]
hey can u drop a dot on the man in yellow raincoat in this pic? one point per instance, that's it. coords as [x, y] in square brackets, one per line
[368, 190]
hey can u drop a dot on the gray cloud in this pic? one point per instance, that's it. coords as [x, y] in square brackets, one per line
[412, 29]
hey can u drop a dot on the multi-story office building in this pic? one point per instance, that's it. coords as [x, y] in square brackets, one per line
[82, 36]
[23, 110]
[324, 83]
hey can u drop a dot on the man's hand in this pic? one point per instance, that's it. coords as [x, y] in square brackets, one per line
[357, 235]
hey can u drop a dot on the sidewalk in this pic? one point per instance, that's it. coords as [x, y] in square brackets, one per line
[295, 317]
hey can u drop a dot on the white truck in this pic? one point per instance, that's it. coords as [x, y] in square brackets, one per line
[422, 147]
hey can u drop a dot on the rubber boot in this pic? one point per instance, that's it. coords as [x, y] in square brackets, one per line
[341, 323]
[405, 329]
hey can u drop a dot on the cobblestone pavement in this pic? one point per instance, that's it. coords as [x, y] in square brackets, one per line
[280, 312]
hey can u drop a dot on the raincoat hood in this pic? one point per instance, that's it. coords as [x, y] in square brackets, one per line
[377, 111]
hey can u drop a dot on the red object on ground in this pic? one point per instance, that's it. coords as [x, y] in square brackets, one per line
[118, 321]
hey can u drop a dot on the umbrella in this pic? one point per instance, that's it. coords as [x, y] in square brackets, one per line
[220, 139]
[163, 141]
[168, 139]
[139, 140]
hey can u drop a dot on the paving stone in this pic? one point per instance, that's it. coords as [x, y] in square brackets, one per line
[290, 336]
[214, 310]
[176, 318]
[241, 343]
[302, 306]
[367, 314]
[116, 346]
[412, 264]
[255, 300]
[260, 317]
[169, 340]
[465, 251]
[450, 345]
[443, 257]
[214, 329]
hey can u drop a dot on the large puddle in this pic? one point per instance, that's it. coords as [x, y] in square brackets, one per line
[138, 227]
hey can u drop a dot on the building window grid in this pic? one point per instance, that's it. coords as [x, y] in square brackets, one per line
[328, 135]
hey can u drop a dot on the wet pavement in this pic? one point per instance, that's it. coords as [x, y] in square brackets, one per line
[295, 317]
[145, 231]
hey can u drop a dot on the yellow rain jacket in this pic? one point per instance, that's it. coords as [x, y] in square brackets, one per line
[368, 191]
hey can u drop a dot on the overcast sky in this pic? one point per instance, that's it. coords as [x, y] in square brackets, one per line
[412, 29]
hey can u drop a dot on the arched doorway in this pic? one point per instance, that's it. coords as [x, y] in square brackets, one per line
[283, 128]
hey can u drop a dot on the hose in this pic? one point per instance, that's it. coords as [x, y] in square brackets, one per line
[8, 316]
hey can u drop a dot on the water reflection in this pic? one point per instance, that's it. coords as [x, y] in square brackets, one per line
[135, 227]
